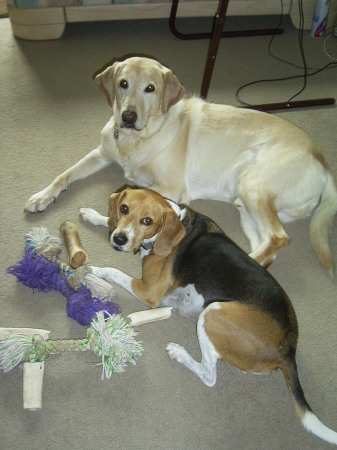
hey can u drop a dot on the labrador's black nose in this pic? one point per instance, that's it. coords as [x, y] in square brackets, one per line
[120, 239]
[129, 118]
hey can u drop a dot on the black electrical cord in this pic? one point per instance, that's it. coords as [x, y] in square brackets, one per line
[305, 68]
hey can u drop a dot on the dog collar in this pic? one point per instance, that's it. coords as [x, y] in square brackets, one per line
[147, 245]
[116, 133]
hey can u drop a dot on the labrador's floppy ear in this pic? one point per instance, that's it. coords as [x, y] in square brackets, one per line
[170, 235]
[105, 82]
[173, 91]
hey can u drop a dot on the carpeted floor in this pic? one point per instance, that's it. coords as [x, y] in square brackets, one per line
[3, 9]
[51, 115]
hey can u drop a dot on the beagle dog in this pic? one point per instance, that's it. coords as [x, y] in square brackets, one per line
[187, 149]
[244, 316]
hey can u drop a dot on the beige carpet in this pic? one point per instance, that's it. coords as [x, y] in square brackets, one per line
[51, 115]
[3, 9]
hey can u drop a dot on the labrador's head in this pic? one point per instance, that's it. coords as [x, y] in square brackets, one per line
[139, 90]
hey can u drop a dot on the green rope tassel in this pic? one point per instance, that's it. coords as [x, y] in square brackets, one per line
[112, 339]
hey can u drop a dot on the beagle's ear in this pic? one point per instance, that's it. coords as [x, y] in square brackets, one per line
[173, 91]
[170, 235]
[105, 82]
[113, 210]
[115, 201]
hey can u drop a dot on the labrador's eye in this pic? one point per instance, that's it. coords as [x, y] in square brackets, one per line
[124, 209]
[124, 84]
[150, 88]
[147, 221]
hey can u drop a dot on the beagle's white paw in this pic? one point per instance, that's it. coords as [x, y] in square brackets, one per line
[92, 216]
[88, 214]
[175, 351]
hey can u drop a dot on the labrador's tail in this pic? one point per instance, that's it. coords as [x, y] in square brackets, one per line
[321, 225]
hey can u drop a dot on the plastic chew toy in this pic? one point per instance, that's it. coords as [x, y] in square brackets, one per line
[42, 269]
[111, 339]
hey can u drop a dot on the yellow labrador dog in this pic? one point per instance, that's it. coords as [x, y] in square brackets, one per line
[186, 149]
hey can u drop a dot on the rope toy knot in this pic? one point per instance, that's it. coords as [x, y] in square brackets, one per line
[39, 350]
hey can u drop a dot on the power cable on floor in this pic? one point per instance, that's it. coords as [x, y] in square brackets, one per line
[303, 67]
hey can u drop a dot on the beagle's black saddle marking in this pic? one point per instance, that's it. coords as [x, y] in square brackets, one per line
[220, 271]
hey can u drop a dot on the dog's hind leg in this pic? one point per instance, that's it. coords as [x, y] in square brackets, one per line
[263, 213]
[248, 225]
[206, 369]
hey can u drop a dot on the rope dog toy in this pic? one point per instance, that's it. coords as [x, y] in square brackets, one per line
[112, 339]
[42, 269]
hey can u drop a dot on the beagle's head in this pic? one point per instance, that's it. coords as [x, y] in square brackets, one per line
[140, 91]
[141, 217]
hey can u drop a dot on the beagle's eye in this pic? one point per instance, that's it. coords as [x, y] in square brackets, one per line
[124, 209]
[147, 221]
[150, 88]
[124, 84]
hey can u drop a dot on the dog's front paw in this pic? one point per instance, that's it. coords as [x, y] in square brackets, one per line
[39, 201]
[98, 271]
[91, 216]
[88, 214]
[175, 351]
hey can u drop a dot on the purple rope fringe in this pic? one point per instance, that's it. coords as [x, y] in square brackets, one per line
[38, 273]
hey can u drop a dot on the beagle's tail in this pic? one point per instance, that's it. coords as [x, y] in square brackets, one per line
[321, 225]
[309, 421]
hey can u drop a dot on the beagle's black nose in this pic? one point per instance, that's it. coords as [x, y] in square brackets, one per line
[120, 239]
[129, 118]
